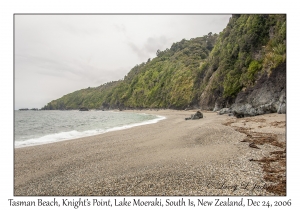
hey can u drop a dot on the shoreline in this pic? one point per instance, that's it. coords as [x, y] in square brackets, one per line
[170, 157]
[82, 134]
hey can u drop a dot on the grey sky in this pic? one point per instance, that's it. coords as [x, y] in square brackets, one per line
[59, 54]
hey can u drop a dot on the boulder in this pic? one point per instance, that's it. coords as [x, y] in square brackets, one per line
[195, 116]
[224, 111]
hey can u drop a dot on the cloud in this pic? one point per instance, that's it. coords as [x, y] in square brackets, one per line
[120, 28]
[59, 54]
[139, 51]
[155, 43]
[79, 30]
[150, 46]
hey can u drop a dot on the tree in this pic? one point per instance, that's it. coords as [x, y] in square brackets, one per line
[158, 53]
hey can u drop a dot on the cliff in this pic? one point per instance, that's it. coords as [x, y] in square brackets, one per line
[242, 68]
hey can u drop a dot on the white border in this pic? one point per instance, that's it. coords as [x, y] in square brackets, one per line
[8, 8]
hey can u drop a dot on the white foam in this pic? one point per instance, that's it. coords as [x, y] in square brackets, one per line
[137, 124]
[63, 136]
[57, 137]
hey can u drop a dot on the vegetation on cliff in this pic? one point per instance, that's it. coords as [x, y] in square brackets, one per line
[249, 46]
[196, 72]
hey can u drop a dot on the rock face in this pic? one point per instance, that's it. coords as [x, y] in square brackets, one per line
[195, 116]
[268, 95]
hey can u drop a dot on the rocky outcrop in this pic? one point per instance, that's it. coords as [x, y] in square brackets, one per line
[195, 116]
[282, 106]
[268, 95]
[210, 99]
[83, 109]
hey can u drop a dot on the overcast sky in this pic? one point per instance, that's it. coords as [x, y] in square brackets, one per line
[59, 54]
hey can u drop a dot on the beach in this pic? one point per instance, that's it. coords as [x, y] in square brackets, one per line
[215, 155]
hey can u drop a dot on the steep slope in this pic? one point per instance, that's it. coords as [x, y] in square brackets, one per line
[268, 95]
[170, 80]
[89, 97]
[209, 72]
[249, 47]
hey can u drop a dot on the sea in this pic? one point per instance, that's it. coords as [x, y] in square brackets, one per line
[43, 127]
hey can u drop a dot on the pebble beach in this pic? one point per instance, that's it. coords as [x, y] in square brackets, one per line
[215, 155]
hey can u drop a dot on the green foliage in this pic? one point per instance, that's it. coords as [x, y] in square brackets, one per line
[254, 67]
[220, 65]
[167, 81]
[249, 44]
[231, 83]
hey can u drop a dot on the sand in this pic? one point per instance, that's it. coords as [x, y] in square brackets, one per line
[172, 157]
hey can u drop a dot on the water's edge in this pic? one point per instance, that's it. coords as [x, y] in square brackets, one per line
[71, 135]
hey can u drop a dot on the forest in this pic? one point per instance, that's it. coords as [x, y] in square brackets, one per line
[194, 73]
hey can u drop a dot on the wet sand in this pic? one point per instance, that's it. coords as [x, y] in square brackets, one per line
[172, 157]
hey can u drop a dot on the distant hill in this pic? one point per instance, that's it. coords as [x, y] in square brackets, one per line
[209, 72]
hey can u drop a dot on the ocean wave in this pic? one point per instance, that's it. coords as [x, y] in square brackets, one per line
[74, 134]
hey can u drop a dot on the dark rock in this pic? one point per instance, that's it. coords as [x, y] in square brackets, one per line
[238, 115]
[195, 116]
[219, 104]
[252, 145]
[268, 95]
[83, 109]
[252, 159]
